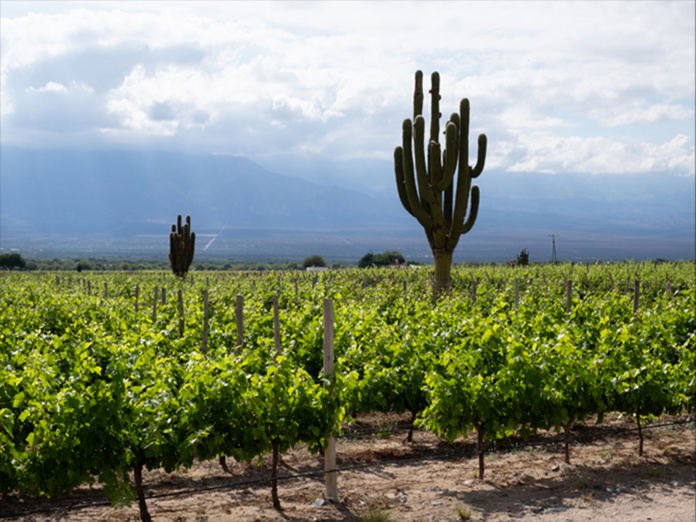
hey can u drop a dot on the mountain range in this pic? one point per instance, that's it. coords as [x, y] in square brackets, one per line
[68, 202]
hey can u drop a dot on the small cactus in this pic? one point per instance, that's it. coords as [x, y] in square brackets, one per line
[181, 246]
[523, 258]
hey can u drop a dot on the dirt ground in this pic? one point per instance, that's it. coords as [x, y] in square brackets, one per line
[426, 480]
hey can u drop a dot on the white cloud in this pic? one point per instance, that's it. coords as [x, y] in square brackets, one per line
[336, 78]
[652, 114]
[600, 155]
[59, 88]
[50, 87]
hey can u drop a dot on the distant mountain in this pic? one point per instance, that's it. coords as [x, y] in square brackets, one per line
[69, 202]
[127, 193]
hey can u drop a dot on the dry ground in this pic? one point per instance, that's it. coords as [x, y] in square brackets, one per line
[606, 480]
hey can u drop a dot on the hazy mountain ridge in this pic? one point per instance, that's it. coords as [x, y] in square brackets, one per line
[128, 194]
[125, 193]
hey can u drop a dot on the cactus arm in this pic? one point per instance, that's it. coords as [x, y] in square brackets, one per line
[189, 244]
[173, 247]
[400, 183]
[439, 230]
[415, 205]
[464, 111]
[185, 236]
[447, 208]
[473, 212]
[481, 158]
[462, 227]
[450, 157]
[434, 165]
[191, 250]
[461, 198]
[418, 96]
[435, 106]
[424, 188]
[451, 153]
[464, 176]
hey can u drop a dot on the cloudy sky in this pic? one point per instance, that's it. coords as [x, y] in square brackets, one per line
[586, 87]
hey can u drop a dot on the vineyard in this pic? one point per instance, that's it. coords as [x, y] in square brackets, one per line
[105, 377]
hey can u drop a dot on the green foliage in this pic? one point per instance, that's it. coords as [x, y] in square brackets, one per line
[315, 260]
[91, 387]
[10, 261]
[390, 257]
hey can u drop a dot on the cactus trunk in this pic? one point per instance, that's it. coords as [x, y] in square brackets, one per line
[443, 269]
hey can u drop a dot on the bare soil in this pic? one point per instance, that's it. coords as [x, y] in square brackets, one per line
[426, 480]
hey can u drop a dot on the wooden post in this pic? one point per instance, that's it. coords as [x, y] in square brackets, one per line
[180, 307]
[569, 296]
[330, 450]
[106, 290]
[517, 294]
[164, 295]
[276, 326]
[238, 312]
[154, 305]
[137, 294]
[636, 298]
[205, 321]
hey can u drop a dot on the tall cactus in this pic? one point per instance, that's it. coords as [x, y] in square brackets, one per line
[181, 245]
[427, 189]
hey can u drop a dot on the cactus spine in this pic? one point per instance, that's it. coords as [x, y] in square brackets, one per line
[181, 246]
[427, 187]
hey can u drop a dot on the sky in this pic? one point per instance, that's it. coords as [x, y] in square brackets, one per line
[600, 88]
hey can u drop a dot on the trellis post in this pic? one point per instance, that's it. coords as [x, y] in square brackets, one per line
[330, 450]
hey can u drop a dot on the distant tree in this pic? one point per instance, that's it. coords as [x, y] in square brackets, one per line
[366, 261]
[292, 265]
[10, 261]
[390, 257]
[84, 265]
[314, 260]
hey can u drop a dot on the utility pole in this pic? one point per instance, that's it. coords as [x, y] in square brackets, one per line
[553, 252]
